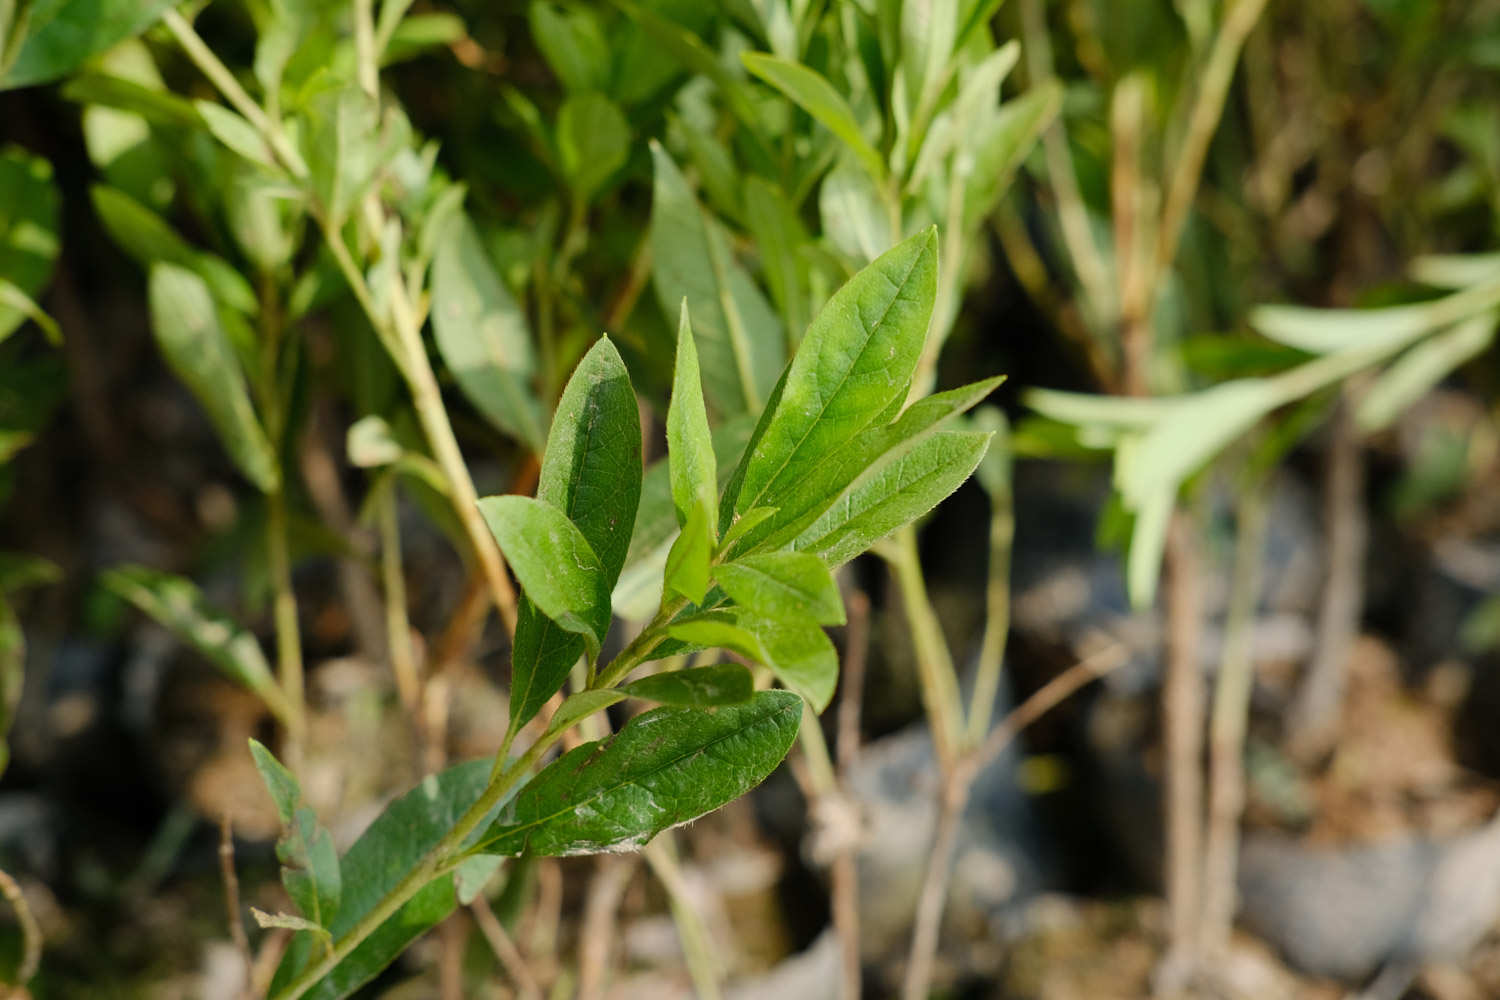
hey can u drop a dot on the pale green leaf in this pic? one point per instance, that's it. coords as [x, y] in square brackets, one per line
[236, 133]
[854, 215]
[815, 95]
[687, 568]
[593, 142]
[60, 35]
[798, 653]
[1426, 364]
[573, 43]
[785, 586]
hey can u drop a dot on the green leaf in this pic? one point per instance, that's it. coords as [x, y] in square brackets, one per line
[854, 217]
[13, 299]
[593, 142]
[1412, 375]
[372, 444]
[310, 865]
[855, 363]
[687, 569]
[577, 707]
[893, 494]
[779, 236]
[110, 91]
[1148, 540]
[473, 874]
[236, 133]
[591, 472]
[745, 523]
[12, 673]
[701, 687]
[400, 837]
[664, 768]
[798, 653]
[178, 606]
[348, 143]
[815, 95]
[785, 586]
[690, 446]
[557, 569]
[738, 335]
[198, 351]
[1002, 141]
[143, 235]
[638, 592]
[573, 44]
[1323, 331]
[1459, 270]
[28, 230]
[19, 571]
[482, 335]
[61, 35]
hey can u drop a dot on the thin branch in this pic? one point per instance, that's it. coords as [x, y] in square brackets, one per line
[1046, 698]
[697, 946]
[924, 938]
[596, 937]
[31, 933]
[398, 627]
[232, 899]
[935, 674]
[505, 949]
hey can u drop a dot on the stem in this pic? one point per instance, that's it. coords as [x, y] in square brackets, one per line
[288, 632]
[435, 863]
[1231, 711]
[924, 938]
[31, 934]
[218, 74]
[997, 617]
[815, 750]
[398, 627]
[505, 949]
[1203, 120]
[611, 876]
[697, 946]
[368, 67]
[935, 673]
[232, 901]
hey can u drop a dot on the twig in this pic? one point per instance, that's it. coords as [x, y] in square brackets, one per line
[935, 674]
[697, 946]
[852, 680]
[232, 898]
[611, 874]
[451, 957]
[1208, 106]
[505, 949]
[996, 615]
[398, 627]
[1313, 723]
[1228, 724]
[547, 913]
[1182, 710]
[1084, 253]
[31, 934]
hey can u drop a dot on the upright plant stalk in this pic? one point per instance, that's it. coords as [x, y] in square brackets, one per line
[1228, 724]
[935, 672]
[288, 632]
[398, 627]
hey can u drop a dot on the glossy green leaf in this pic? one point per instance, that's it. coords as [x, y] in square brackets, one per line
[178, 606]
[690, 446]
[893, 494]
[701, 687]
[310, 865]
[739, 338]
[383, 855]
[482, 335]
[786, 586]
[557, 568]
[664, 768]
[815, 95]
[143, 235]
[60, 35]
[573, 43]
[687, 568]
[799, 653]
[593, 142]
[577, 707]
[854, 216]
[28, 230]
[779, 236]
[855, 363]
[1426, 364]
[591, 472]
[198, 351]
[745, 523]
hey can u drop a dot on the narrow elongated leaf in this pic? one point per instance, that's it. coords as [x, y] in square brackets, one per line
[310, 865]
[1148, 540]
[198, 351]
[19, 571]
[701, 687]
[591, 472]
[143, 235]
[687, 568]
[664, 768]
[779, 235]
[855, 363]
[348, 142]
[893, 494]
[580, 706]
[854, 217]
[383, 855]
[807, 499]
[1322, 331]
[558, 570]
[739, 338]
[60, 35]
[815, 95]
[785, 586]
[1001, 142]
[28, 230]
[798, 653]
[483, 337]
[237, 134]
[690, 446]
[177, 605]
[573, 44]
[1413, 374]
